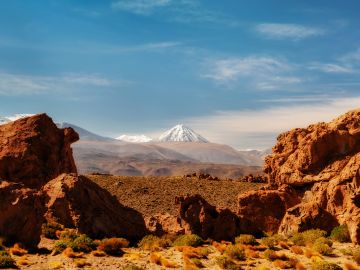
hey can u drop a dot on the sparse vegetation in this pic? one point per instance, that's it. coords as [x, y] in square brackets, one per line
[269, 242]
[340, 234]
[246, 239]
[6, 261]
[50, 229]
[324, 265]
[78, 243]
[270, 255]
[154, 243]
[18, 250]
[132, 267]
[356, 255]
[307, 237]
[113, 246]
[235, 253]
[225, 263]
[192, 240]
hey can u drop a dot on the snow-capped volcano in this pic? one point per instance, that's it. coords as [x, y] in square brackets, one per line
[181, 133]
[7, 119]
[134, 138]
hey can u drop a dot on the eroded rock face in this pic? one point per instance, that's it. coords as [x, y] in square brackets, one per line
[265, 209]
[161, 224]
[21, 214]
[199, 217]
[33, 151]
[322, 163]
[77, 202]
[321, 152]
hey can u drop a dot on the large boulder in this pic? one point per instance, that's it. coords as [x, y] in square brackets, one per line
[21, 214]
[33, 151]
[77, 202]
[197, 216]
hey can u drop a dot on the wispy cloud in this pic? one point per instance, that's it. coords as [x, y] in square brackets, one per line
[331, 68]
[259, 128]
[140, 6]
[260, 71]
[287, 31]
[19, 84]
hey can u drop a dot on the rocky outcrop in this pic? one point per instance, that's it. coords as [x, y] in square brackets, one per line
[36, 185]
[161, 224]
[21, 214]
[77, 202]
[33, 151]
[199, 217]
[321, 163]
[264, 209]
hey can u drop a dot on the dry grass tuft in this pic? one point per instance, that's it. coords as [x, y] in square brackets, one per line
[70, 253]
[297, 250]
[113, 246]
[18, 250]
[81, 263]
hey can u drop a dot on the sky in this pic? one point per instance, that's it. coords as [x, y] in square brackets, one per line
[238, 72]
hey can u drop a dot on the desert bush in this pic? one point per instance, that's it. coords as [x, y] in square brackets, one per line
[113, 246]
[251, 253]
[340, 234]
[82, 243]
[18, 250]
[323, 246]
[307, 237]
[68, 235]
[269, 242]
[49, 229]
[98, 253]
[225, 263]
[70, 253]
[6, 261]
[80, 263]
[356, 255]
[159, 260]
[246, 239]
[270, 255]
[194, 252]
[132, 267]
[297, 250]
[153, 243]
[235, 253]
[188, 240]
[323, 265]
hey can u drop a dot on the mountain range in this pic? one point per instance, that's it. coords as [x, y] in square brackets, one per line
[179, 150]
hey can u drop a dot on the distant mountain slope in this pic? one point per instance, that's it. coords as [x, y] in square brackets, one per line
[85, 134]
[181, 133]
[7, 119]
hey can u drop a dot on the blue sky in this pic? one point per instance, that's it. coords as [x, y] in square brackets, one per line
[238, 72]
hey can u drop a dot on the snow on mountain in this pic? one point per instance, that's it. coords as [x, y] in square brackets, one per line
[134, 138]
[181, 133]
[7, 119]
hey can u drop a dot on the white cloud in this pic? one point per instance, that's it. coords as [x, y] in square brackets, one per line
[261, 72]
[257, 129]
[331, 68]
[287, 31]
[140, 6]
[20, 84]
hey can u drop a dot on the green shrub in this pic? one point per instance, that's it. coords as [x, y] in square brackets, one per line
[188, 240]
[246, 239]
[269, 241]
[323, 265]
[49, 229]
[235, 253]
[6, 261]
[340, 234]
[68, 235]
[323, 240]
[82, 243]
[307, 237]
[225, 263]
[322, 248]
[356, 256]
[132, 267]
[79, 243]
[270, 255]
[113, 246]
[152, 242]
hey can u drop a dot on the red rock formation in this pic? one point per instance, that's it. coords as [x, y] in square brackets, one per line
[33, 150]
[264, 209]
[322, 162]
[199, 217]
[77, 202]
[21, 214]
[161, 224]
